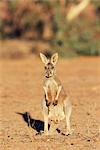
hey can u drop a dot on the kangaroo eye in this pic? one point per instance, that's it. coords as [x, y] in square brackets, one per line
[52, 67]
[45, 67]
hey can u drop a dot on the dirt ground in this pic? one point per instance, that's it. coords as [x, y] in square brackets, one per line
[21, 94]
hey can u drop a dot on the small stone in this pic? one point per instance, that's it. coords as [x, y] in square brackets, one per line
[88, 113]
[88, 140]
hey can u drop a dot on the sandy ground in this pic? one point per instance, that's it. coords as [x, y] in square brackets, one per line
[21, 94]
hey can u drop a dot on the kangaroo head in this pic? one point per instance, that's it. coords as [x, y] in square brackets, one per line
[49, 64]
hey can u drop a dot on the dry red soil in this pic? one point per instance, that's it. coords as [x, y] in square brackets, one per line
[21, 91]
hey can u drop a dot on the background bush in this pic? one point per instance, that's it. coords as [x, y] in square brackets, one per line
[45, 21]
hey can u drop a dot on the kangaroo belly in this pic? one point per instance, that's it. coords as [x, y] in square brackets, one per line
[56, 113]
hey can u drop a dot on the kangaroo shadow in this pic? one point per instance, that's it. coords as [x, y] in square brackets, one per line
[37, 125]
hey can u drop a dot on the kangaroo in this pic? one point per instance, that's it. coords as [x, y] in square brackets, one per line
[56, 103]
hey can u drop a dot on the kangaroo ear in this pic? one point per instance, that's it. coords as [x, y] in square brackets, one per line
[44, 58]
[54, 58]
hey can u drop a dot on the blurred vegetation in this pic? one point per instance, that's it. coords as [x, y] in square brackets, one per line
[45, 21]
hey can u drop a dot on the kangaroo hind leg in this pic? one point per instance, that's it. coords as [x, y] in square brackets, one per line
[68, 111]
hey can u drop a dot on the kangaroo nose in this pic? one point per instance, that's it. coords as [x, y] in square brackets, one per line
[48, 73]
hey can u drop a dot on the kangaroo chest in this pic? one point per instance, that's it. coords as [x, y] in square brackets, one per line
[52, 88]
[51, 83]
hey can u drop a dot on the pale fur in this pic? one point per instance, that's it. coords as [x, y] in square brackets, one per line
[59, 106]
